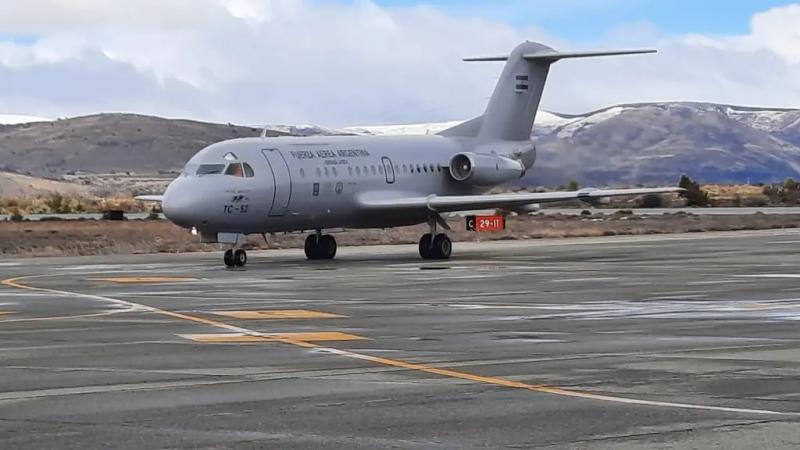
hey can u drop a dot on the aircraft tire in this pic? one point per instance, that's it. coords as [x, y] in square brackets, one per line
[326, 247]
[240, 258]
[311, 247]
[442, 247]
[228, 258]
[425, 248]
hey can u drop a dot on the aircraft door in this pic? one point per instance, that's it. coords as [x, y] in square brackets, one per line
[282, 179]
[388, 169]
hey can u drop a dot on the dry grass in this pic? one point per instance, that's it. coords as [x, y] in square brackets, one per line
[106, 237]
[57, 203]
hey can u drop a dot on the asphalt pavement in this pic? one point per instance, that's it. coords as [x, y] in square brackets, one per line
[665, 341]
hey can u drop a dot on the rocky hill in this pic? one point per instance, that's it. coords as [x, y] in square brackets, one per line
[621, 145]
[105, 143]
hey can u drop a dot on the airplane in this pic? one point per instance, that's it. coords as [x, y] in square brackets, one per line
[295, 184]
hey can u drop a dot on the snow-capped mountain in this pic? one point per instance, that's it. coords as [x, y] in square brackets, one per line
[16, 119]
[655, 143]
[651, 143]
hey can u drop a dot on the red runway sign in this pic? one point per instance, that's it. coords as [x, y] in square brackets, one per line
[486, 223]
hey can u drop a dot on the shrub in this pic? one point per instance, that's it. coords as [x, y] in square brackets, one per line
[692, 193]
[652, 201]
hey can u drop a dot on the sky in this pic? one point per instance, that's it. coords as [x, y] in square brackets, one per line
[356, 62]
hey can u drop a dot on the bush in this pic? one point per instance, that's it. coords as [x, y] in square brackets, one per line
[573, 185]
[16, 216]
[652, 201]
[692, 193]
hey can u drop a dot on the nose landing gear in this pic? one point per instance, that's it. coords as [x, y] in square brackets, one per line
[235, 258]
[319, 246]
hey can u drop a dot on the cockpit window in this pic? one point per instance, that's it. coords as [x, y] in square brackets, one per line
[235, 169]
[210, 169]
[190, 169]
[248, 171]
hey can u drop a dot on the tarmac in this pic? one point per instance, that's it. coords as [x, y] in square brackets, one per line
[664, 341]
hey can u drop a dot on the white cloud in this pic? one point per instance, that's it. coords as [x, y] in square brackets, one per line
[300, 61]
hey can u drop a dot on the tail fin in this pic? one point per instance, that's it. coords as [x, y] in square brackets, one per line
[512, 108]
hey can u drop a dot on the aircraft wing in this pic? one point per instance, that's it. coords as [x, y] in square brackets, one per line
[149, 198]
[450, 203]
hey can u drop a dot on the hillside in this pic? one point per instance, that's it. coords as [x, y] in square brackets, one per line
[15, 185]
[621, 145]
[106, 143]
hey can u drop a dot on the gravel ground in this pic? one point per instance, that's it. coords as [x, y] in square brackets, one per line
[94, 237]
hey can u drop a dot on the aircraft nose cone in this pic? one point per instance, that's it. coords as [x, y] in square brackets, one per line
[182, 204]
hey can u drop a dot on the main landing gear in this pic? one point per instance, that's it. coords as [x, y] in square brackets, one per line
[235, 258]
[438, 247]
[435, 245]
[319, 246]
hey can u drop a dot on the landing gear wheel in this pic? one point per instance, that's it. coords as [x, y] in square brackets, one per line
[326, 247]
[228, 258]
[323, 247]
[442, 247]
[240, 258]
[425, 248]
[311, 247]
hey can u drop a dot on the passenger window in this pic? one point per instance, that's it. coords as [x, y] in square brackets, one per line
[302, 173]
[235, 170]
[405, 168]
[374, 170]
[358, 170]
[335, 172]
[366, 171]
[350, 170]
[380, 170]
[319, 172]
[419, 169]
[327, 172]
[248, 171]
[425, 168]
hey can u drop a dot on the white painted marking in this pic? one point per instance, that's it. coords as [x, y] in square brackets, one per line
[770, 275]
[575, 280]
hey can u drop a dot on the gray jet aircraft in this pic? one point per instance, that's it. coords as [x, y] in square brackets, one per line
[267, 185]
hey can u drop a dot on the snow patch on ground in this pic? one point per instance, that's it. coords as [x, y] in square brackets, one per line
[592, 119]
[16, 119]
[402, 130]
[766, 120]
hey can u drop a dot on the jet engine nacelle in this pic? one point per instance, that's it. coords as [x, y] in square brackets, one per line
[482, 169]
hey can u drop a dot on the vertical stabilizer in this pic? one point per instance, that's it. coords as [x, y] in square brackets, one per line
[512, 108]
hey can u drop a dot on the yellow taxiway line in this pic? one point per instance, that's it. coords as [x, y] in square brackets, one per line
[497, 381]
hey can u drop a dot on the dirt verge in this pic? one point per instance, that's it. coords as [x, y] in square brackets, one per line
[65, 238]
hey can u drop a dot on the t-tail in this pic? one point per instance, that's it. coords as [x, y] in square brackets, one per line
[512, 108]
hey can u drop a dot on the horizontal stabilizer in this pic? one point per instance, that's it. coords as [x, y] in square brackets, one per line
[553, 56]
[149, 198]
